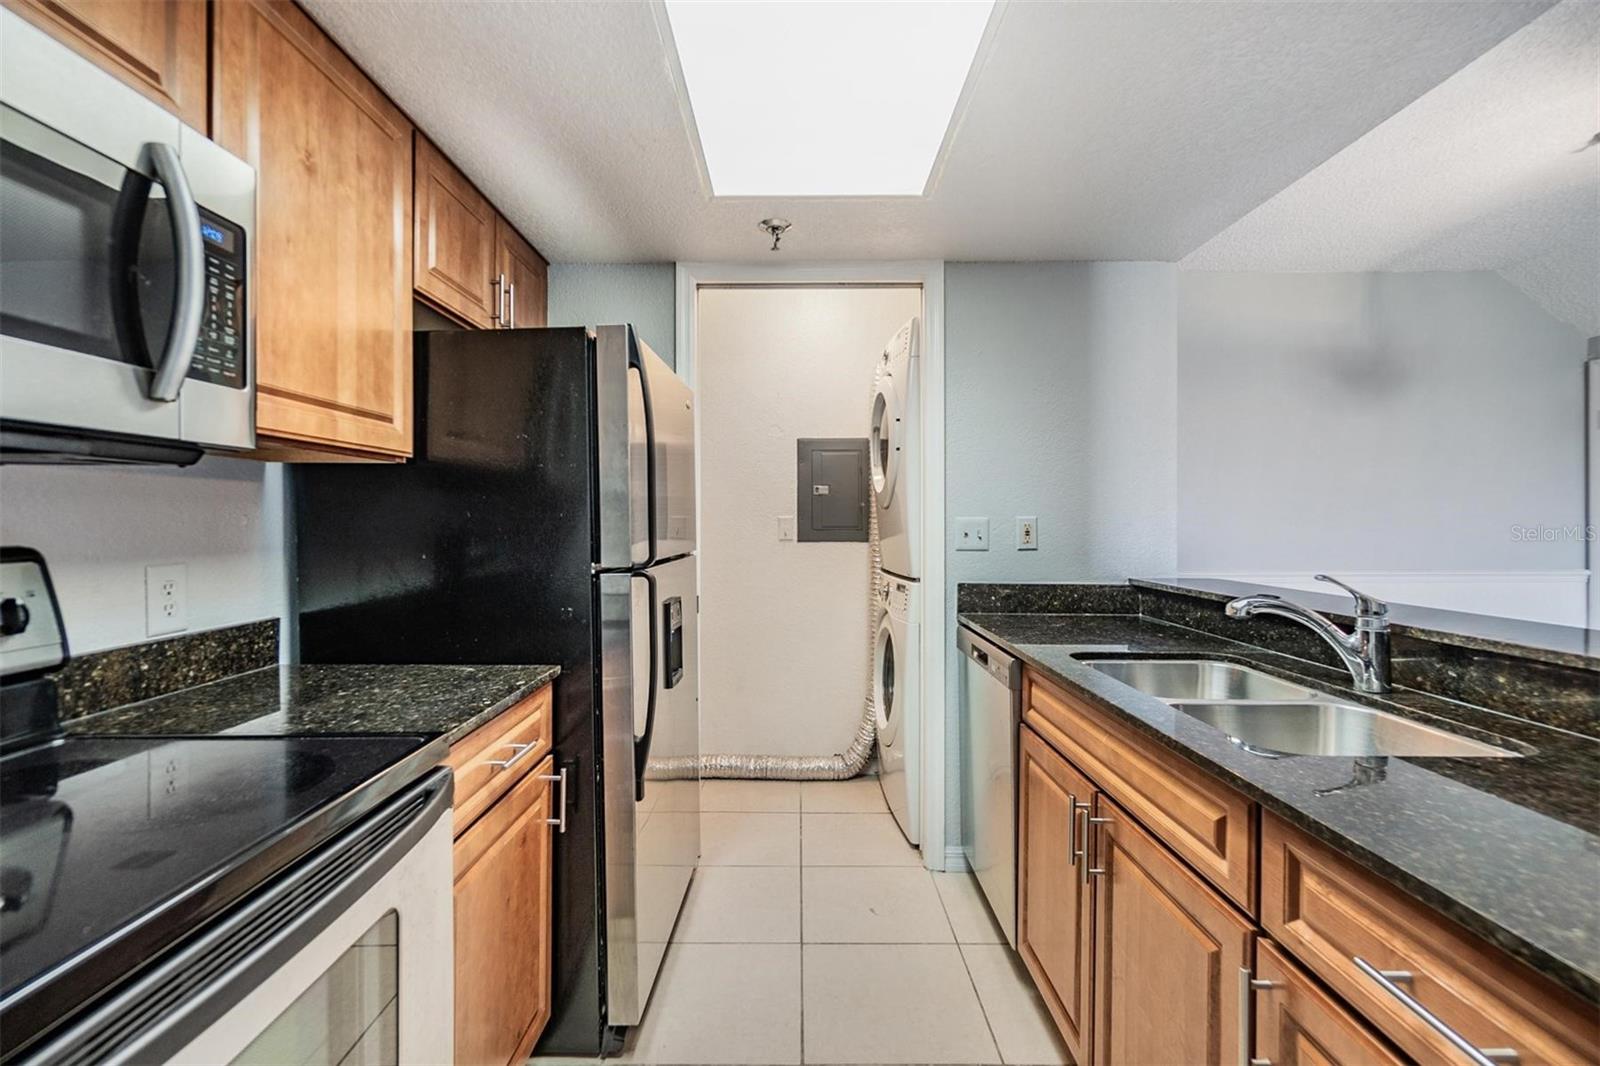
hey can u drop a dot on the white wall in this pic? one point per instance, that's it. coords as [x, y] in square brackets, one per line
[99, 527]
[604, 294]
[1060, 403]
[783, 625]
[1394, 425]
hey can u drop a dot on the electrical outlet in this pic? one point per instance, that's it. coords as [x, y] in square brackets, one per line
[972, 534]
[1027, 533]
[166, 599]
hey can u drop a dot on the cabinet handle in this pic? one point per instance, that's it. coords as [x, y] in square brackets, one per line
[512, 288]
[1390, 980]
[1246, 983]
[495, 287]
[560, 821]
[1088, 869]
[1072, 821]
[519, 750]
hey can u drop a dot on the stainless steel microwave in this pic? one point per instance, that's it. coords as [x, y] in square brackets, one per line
[125, 269]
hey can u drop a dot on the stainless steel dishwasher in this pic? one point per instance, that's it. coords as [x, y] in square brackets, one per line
[991, 712]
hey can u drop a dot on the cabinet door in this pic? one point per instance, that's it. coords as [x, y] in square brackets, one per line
[1298, 1024]
[527, 279]
[1053, 924]
[332, 255]
[157, 46]
[502, 953]
[454, 252]
[1168, 951]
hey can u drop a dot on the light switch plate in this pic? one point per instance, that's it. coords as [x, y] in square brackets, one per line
[166, 599]
[1027, 533]
[786, 527]
[972, 534]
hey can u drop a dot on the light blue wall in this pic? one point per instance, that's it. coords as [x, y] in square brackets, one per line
[603, 294]
[1060, 402]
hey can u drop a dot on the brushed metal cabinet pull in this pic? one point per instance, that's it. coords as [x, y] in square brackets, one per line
[520, 750]
[560, 821]
[1390, 981]
[512, 299]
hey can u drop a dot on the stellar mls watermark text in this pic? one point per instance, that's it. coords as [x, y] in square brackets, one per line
[1542, 534]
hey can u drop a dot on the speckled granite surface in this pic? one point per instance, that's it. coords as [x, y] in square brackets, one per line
[1510, 848]
[433, 701]
[1561, 645]
[101, 679]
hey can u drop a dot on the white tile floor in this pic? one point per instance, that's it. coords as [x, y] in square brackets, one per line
[812, 933]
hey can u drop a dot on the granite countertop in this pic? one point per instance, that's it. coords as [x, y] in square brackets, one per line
[315, 700]
[1510, 848]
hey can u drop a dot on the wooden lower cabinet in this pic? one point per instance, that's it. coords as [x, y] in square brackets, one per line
[502, 926]
[1053, 912]
[1168, 953]
[1298, 1024]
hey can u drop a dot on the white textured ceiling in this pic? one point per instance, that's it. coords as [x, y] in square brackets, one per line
[1093, 130]
[1488, 171]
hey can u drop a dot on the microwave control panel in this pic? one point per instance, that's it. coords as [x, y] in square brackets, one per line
[220, 354]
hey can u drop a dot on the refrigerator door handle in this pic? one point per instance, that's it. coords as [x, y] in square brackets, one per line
[636, 362]
[641, 745]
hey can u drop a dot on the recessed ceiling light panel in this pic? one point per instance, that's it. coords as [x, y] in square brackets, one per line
[824, 99]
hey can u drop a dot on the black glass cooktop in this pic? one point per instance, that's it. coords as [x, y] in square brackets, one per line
[112, 849]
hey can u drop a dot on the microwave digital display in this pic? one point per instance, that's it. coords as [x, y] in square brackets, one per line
[215, 234]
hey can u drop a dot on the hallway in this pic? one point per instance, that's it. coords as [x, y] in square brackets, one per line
[813, 934]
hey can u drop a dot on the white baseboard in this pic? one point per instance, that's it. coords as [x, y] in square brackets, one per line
[955, 860]
[1557, 596]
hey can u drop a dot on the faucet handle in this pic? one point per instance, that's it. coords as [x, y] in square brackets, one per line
[1366, 606]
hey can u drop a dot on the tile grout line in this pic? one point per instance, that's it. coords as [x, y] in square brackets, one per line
[965, 965]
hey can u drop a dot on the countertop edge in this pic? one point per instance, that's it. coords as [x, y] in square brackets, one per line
[1570, 976]
[464, 729]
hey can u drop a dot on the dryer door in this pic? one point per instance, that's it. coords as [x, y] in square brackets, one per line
[885, 662]
[885, 445]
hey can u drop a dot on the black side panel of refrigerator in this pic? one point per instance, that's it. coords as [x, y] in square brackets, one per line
[479, 551]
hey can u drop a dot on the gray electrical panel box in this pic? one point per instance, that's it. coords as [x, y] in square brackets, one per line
[831, 489]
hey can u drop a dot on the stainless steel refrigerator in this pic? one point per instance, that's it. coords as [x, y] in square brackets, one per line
[548, 517]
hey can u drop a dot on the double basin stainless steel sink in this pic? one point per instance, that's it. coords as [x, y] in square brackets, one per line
[1272, 717]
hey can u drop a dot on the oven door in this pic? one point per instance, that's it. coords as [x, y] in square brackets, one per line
[346, 960]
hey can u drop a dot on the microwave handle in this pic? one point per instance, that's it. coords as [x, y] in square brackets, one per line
[173, 366]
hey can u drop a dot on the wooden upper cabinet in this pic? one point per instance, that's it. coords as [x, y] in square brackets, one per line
[455, 242]
[157, 46]
[1169, 952]
[333, 234]
[1054, 935]
[527, 279]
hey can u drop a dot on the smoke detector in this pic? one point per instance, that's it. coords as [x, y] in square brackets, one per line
[774, 228]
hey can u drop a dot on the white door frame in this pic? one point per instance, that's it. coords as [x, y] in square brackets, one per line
[929, 275]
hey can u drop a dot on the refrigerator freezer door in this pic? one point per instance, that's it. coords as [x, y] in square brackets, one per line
[645, 437]
[652, 833]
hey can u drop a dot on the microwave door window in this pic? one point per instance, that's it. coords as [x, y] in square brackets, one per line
[87, 260]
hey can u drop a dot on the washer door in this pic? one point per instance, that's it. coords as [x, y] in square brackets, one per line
[884, 692]
[885, 441]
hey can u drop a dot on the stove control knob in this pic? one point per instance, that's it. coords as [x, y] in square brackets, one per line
[13, 617]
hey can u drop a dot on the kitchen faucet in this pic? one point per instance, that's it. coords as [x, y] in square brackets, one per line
[1365, 652]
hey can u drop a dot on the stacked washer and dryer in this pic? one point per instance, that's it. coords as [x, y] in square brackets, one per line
[896, 441]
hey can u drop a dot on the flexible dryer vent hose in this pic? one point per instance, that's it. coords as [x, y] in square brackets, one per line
[846, 764]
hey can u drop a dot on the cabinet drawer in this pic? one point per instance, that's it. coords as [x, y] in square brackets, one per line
[1298, 1023]
[1205, 822]
[1328, 913]
[492, 759]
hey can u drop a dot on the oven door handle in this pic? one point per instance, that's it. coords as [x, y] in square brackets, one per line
[190, 260]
